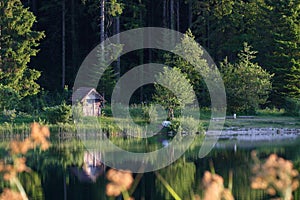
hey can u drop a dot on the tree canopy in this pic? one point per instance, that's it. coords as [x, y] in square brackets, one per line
[271, 27]
[247, 84]
[173, 90]
[18, 44]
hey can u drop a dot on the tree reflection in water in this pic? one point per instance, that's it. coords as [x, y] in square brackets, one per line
[55, 170]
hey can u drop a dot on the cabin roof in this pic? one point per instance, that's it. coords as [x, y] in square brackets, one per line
[81, 93]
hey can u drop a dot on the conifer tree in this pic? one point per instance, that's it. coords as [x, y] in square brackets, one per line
[247, 84]
[18, 44]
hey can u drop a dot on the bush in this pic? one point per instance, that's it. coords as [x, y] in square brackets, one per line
[36, 103]
[9, 115]
[58, 114]
[270, 111]
[9, 98]
[187, 124]
[106, 111]
[154, 113]
[247, 84]
[136, 111]
[292, 107]
[143, 113]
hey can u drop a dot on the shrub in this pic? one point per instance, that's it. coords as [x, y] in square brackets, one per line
[136, 111]
[292, 107]
[247, 84]
[270, 111]
[60, 113]
[187, 124]
[9, 115]
[106, 111]
[9, 98]
[154, 113]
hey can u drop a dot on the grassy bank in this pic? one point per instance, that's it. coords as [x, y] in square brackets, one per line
[266, 118]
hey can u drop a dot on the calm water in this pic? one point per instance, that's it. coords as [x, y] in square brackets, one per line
[59, 173]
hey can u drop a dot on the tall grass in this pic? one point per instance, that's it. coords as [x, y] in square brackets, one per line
[270, 112]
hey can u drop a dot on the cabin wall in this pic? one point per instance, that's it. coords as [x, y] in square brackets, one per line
[91, 107]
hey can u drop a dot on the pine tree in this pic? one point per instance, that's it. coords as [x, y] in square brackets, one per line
[293, 78]
[195, 53]
[18, 44]
[247, 84]
[283, 56]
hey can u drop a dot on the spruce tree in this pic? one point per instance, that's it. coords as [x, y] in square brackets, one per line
[283, 57]
[195, 53]
[18, 42]
[247, 84]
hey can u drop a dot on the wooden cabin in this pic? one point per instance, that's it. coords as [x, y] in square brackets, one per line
[92, 102]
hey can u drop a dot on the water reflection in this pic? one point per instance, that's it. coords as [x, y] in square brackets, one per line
[92, 167]
[68, 171]
[181, 177]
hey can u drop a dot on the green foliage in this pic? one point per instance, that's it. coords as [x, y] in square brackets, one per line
[175, 125]
[115, 8]
[187, 124]
[180, 177]
[106, 111]
[247, 84]
[270, 112]
[293, 77]
[279, 43]
[173, 90]
[32, 185]
[60, 113]
[106, 74]
[271, 26]
[18, 44]
[9, 115]
[146, 113]
[220, 26]
[292, 107]
[16, 117]
[137, 113]
[34, 104]
[151, 113]
[215, 25]
[194, 52]
[77, 111]
[9, 98]
[133, 14]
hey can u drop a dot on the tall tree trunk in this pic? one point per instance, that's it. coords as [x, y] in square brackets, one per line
[102, 20]
[165, 13]
[190, 14]
[150, 24]
[177, 15]
[172, 14]
[141, 63]
[73, 38]
[0, 44]
[118, 65]
[208, 31]
[65, 189]
[1, 37]
[34, 7]
[63, 44]
[118, 71]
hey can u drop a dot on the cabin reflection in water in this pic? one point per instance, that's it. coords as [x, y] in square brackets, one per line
[91, 169]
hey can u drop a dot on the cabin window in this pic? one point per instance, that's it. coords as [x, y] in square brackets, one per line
[90, 101]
